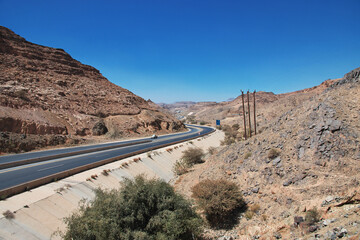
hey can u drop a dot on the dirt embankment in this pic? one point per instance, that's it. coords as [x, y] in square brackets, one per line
[44, 91]
[305, 158]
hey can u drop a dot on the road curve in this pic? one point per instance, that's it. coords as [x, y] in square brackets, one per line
[11, 177]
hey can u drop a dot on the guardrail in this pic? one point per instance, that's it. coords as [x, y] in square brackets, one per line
[5, 193]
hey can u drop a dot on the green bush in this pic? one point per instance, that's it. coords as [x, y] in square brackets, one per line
[142, 209]
[192, 156]
[218, 199]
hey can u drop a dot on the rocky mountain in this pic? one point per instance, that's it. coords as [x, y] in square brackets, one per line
[231, 112]
[45, 92]
[305, 161]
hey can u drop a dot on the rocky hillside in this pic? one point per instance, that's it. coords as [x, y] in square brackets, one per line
[268, 105]
[305, 158]
[45, 92]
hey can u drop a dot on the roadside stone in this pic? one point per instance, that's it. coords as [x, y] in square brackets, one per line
[301, 152]
[298, 220]
[277, 235]
[255, 190]
[276, 161]
[313, 228]
[334, 125]
[226, 238]
[343, 232]
[287, 183]
[231, 157]
[285, 214]
[326, 222]
[327, 200]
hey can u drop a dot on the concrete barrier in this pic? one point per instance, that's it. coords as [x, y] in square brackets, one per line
[45, 158]
[54, 177]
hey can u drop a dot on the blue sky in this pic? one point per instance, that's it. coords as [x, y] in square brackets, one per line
[198, 50]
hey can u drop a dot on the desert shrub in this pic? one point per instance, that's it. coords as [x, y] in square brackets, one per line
[180, 167]
[247, 155]
[211, 150]
[255, 208]
[142, 209]
[312, 216]
[249, 214]
[202, 123]
[235, 126]
[100, 114]
[114, 134]
[228, 140]
[231, 135]
[8, 214]
[148, 154]
[105, 172]
[273, 153]
[192, 156]
[219, 199]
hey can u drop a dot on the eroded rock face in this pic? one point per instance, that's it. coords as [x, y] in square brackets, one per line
[44, 90]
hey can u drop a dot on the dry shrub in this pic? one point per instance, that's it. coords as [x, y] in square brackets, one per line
[219, 199]
[105, 172]
[8, 214]
[228, 140]
[247, 155]
[255, 208]
[273, 153]
[193, 156]
[312, 216]
[180, 167]
[249, 214]
[211, 150]
[136, 159]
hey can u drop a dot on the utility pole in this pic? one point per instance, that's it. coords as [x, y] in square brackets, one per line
[254, 113]
[243, 105]
[248, 100]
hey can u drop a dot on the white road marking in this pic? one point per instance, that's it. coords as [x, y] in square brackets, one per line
[50, 167]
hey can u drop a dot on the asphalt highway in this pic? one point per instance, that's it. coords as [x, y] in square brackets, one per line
[10, 177]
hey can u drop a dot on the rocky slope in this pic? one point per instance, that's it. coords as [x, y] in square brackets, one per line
[268, 105]
[45, 92]
[316, 166]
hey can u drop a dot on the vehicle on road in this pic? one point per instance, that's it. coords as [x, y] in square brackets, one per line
[154, 136]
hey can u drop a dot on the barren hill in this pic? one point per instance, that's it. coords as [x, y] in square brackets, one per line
[230, 112]
[45, 92]
[306, 157]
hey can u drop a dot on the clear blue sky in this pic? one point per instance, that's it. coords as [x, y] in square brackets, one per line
[199, 50]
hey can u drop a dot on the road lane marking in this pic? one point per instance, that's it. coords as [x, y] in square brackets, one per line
[50, 167]
[87, 154]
